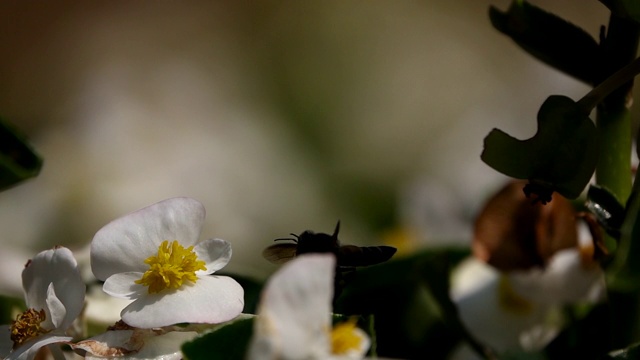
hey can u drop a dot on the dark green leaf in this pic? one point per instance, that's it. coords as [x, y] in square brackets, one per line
[561, 156]
[549, 38]
[18, 161]
[408, 319]
[586, 336]
[229, 342]
[624, 272]
[624, 8]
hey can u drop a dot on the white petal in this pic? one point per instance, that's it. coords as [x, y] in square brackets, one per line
[56, 312]
[212, 299]
[28, 350]
[163, 347]
[294, 317]
[58, 267]
[5, 341]
[216, 253]
[123, 285]
[565, 279]
[124, 244]
[480, 307]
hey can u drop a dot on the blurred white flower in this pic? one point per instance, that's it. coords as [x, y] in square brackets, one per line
[54, 296]
[520, 309]
[294, 316]
[153, 257]
[534, 259]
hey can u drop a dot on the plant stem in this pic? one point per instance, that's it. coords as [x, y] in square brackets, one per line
[612, 83]
[613, 171]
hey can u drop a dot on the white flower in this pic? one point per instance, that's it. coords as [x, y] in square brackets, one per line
[54, 296]
[294, 316]
[153, 256]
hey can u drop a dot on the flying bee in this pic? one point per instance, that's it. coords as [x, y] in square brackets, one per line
[347, 256]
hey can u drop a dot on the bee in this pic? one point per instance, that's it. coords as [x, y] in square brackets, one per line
[347, 256]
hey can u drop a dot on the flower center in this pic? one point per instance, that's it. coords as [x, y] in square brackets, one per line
[345, 339]
[27, 326]
[173, 266]
[510, 300]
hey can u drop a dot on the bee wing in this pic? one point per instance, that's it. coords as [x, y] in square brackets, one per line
[280, 253]
[351, 255]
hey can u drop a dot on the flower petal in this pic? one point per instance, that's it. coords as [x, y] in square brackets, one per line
[136, 344]
[28, 350]
[476, 291]
[123, 285]
[111, 344]
[56, 268]
[294, 316]
[124, 244]
[165, 346]
[216, 253]
[212, 299]
[5, 341]
[55, 310]
[565, 279]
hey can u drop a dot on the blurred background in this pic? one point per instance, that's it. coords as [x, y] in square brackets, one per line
[279, 116]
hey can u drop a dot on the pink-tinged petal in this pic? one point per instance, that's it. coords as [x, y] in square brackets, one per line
[56, 268]
[111, 343]
[124, 244]
[136, 344]
[294, 316]
[216, 253]
[29, 349]
[212, 299]
[123, 285]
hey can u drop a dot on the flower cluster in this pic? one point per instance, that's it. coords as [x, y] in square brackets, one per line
[155, 260]
[152, 257]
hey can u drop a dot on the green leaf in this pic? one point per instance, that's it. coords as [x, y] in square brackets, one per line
[229, 342]
[561, 156]
[549, 38]
[18, 161]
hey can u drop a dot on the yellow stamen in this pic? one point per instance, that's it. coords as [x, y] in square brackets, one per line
[173, 266]
[510, 300]
[27, 326]
[345, 338]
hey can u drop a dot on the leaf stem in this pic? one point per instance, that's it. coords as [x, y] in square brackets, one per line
[615, 81]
